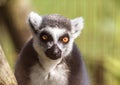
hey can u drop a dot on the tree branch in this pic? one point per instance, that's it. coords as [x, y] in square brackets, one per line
[6, 74]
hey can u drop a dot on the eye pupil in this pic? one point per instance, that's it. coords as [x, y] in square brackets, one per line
[44, 37]
[65, 39]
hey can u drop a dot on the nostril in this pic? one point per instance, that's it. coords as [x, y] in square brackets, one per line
[59, 52]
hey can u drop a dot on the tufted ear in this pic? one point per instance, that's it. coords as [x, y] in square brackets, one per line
[34, 20]
[77, 26]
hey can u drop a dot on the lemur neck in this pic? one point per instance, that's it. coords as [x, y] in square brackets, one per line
[49, 64]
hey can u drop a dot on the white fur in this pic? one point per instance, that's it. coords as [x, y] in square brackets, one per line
[58, 75]
[77, 26]
[35, 19]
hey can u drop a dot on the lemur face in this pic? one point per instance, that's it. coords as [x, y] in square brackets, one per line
[54, 34]
[55, 42]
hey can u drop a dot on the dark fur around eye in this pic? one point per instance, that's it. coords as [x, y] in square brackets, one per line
[61, 38]
[49, 37]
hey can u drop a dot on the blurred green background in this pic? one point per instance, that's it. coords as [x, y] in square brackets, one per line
[99, 41]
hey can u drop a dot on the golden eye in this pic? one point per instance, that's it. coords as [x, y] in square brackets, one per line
[45, 37]
[65, 39]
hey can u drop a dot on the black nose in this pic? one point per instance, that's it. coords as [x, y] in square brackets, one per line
[54, 52]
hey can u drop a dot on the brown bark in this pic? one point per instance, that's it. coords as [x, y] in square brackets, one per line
[6, 74]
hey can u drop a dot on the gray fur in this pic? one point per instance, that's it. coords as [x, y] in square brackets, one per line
[55, 20]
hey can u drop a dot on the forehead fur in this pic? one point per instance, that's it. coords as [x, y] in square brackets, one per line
[55, 20]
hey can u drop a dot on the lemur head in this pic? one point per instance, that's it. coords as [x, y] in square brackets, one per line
[54, 34]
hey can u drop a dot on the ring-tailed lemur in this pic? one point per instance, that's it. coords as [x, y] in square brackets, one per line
[51, 56]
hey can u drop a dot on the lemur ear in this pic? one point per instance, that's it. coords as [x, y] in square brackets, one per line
[77, 26]
[34, 20]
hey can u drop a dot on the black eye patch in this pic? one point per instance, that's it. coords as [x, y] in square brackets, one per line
[64, 39]
[45, 37]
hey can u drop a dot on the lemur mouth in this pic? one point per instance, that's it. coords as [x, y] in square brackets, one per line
[53, 53]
